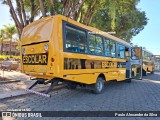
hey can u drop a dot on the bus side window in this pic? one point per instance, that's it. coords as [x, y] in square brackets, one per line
[121, 51]
[112, 48]
[106, 45]
[75, 40]
[95, 44]
[92, 43]
[99, 46]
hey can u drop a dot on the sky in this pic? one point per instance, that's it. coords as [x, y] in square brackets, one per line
[5, 17]
[148, 37]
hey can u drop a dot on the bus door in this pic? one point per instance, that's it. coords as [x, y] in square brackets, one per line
[136, 63]
[128, 66]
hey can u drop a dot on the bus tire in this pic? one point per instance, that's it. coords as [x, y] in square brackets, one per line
[98, 86]
[72, 86]
[152, 72]
[144, 73]
[128, 80]
[133, 75]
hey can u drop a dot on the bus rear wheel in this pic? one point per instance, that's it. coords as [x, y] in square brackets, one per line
[128, 80]
[72, 85]
[144, 73]
[98, 86]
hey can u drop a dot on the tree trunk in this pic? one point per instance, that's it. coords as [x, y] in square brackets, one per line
[67, 7]
[10, 50]
[41, 4]
[14, 16]
[52, 11]
[89, 14]
[32, 10]
[18, 29]
[1, 47]
[19, 12]
[78, 13]
[33, 14]
[77, 8]
[81, 17]
[23, 12]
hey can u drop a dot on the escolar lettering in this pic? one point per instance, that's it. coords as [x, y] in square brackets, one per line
[35, 59]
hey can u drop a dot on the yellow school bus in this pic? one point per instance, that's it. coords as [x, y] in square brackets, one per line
[57, 48]
[148, 62]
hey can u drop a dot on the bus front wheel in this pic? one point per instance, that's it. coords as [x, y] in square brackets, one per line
[98, 86]
[128, 80]
[144, 72]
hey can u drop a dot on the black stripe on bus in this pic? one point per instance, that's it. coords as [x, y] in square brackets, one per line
[75, 63]
[36, 43]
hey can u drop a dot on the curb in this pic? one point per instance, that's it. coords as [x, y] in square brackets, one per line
[9, 81]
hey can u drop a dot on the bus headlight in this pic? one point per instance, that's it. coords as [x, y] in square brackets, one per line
[23, 50]
[46, 47]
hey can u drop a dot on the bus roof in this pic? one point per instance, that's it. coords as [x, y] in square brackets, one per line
[105, 34]
[147, 51]
[43, 28]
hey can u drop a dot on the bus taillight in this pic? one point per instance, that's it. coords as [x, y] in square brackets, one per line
[52, 59]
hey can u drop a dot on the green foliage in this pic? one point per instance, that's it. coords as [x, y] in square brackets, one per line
[2, 35]
[120, 16]
[10, 30]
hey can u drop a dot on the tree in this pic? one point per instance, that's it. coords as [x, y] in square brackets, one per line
[121, 16]
[88, 11]
[10, 30]
[126, 20]
[2, 37]
[26, 10]
[20, 13]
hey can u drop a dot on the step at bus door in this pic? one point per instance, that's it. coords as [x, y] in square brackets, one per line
[136, 63]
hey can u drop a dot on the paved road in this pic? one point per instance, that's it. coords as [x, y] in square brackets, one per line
[140, 95]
